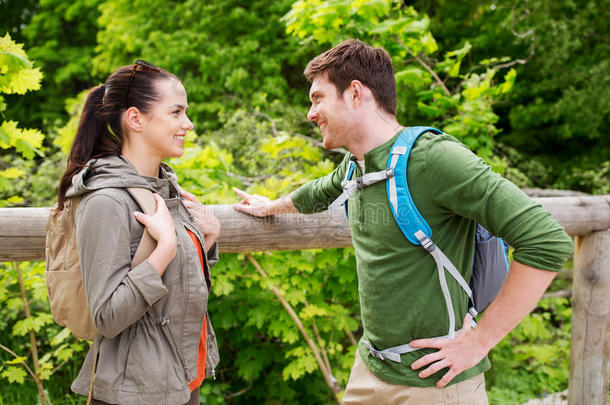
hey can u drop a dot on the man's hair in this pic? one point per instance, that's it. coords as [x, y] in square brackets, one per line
[354, 60]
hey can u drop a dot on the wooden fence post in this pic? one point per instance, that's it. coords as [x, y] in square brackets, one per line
[590, 346]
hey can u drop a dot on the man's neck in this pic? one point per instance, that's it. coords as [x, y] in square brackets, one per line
[374, 131]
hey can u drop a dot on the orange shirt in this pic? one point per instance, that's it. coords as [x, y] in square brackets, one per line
[202, 352]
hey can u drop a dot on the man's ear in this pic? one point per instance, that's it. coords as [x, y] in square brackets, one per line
[133, 119]
[356, 93]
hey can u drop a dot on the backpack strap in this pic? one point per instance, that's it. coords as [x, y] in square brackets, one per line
[148, 205]
[410, 220]
[351, 186]
[348, 176]
[342, 199]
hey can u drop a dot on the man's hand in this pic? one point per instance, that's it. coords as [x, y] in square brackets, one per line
[252, 204]
[205, 220]
[260, 206]
[521, 291]
[459, 354]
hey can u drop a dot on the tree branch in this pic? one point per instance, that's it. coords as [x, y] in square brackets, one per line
[334, 388]
[241, 391]
[24, 364]
[567, 293]
[41, 393]
[268, 118]
[322, 348]
[419, 60]
[529, 32]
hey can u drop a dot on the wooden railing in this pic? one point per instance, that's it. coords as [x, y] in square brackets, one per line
[587, 218]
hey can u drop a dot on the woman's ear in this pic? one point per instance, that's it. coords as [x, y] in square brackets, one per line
[133, 119]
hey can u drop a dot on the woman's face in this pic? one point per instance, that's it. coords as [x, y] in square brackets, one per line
[165, 125]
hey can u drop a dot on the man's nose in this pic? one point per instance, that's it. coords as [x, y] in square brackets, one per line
[312, 115]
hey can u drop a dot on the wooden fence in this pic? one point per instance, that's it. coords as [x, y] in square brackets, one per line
[587, 218]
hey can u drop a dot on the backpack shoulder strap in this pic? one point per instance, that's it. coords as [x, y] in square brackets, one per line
[348, 176]
[147, 203]
[410, 220]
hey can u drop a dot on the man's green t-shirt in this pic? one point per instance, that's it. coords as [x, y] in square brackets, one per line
[400, 295]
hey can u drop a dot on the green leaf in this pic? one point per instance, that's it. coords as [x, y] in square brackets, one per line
[12, 173]
[62, 336]
[33, 323]
[430, 110]
[413, 76]
[14, 375]
[16, 360]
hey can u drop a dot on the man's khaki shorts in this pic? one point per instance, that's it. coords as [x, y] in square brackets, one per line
[364, 388]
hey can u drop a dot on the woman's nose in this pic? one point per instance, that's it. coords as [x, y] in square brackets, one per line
[188, 124]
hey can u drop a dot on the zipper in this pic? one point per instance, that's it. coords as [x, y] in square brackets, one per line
[197, 232]
[199, 235]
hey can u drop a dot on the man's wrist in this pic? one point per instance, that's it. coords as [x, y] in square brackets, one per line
[485, 338]
[282, 205]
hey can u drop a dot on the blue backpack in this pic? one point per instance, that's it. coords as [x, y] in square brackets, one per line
[490, 261]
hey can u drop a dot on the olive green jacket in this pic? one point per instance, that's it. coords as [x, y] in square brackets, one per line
[149, 325]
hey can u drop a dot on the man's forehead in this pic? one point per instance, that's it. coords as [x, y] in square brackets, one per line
[318, 84]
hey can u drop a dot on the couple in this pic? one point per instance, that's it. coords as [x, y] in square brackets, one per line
[158, 341]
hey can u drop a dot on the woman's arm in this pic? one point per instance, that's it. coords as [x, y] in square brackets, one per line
[118, 295]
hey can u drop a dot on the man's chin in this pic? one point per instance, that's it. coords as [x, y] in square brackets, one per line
[328, 144]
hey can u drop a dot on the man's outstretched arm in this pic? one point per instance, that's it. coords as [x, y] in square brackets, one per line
[260, 206]
[523, 288]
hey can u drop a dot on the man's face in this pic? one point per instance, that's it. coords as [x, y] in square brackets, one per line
[330, 112]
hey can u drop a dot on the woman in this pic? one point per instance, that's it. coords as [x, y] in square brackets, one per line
[156, 343]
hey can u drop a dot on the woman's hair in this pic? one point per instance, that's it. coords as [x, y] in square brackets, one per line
[99, 131]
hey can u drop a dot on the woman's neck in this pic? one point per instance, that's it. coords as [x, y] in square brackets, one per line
[145, 164]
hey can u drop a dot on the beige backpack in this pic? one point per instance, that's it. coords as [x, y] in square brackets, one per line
[63, 274]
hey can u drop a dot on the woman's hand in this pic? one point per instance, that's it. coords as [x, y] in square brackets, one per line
[205, 220]
[161, 227]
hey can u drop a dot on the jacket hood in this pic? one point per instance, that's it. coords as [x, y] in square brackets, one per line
[116, 171]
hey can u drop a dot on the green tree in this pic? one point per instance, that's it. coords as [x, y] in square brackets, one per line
[432, 88]
[229, 54]
[17, 76]
[558, 112]
[61, 37]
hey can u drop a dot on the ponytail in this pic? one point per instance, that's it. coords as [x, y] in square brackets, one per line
[92, 140]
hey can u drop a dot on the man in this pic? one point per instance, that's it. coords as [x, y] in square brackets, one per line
[353, 95]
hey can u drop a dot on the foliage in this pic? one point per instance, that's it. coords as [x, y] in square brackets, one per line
[458, 102]
[17, 76]
[57, 344]
[60, 37]
[557, 114]
[229, 54]
[533, 359]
